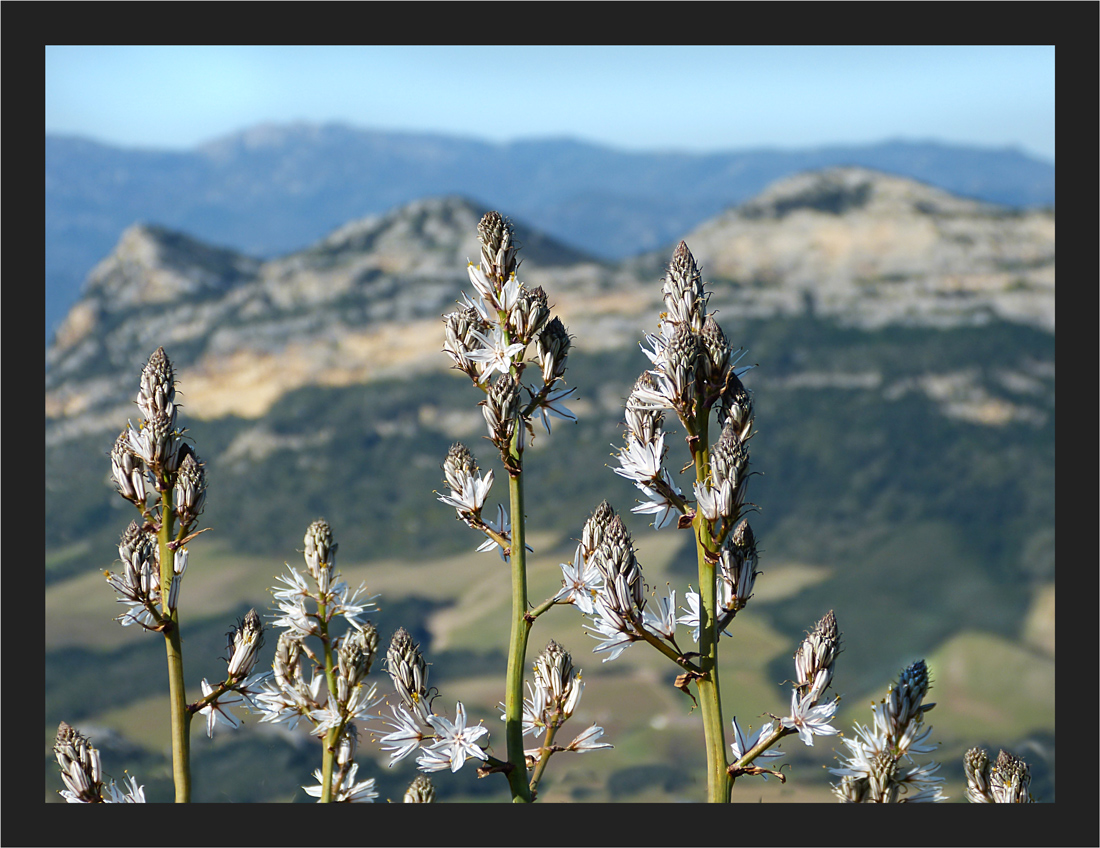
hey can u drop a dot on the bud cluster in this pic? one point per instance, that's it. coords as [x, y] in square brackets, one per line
[416, 726]
[82, 772]
[554, 698]
[1004, 782]
[872, 771]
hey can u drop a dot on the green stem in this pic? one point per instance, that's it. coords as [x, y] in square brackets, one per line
[544, 758]
[710, 700]
[177, 695]
[328, 754]
[517, 643]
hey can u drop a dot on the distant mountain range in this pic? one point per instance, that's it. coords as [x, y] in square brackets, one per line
[273, 189]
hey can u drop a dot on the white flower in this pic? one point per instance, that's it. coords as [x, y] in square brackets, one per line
[502, 526]
[586, 741]
[551, 405]
[432, 760]
[691, 619]
[664, 623]
[612, 628]
[113, 794]
[471, 494]
[405, 739]
[582, 582]
[218, 709]
[741, 744]
[808, 720]
[342, 601]
[534, 710]
[496, 354]
[456, 741]
[659, 505]
[349, 791]
[641, 463]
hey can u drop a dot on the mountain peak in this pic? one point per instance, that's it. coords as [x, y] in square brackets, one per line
[155, 265]
[842, 189]
[435, 233]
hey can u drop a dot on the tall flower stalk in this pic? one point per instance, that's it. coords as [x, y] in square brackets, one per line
[308, 607]
[694, 374]
[155, 469]
[498, 338]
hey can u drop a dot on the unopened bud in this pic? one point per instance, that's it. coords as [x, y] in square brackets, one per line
[244, 643]
[157, 395]
[683, 290]
[420, 791]
[552, 349]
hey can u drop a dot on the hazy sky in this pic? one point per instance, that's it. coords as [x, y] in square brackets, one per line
[694, 99]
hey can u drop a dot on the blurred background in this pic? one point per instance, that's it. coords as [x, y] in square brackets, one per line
[875, 226]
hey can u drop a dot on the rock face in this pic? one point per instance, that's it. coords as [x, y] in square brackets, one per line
[871, 249]
[365, 302]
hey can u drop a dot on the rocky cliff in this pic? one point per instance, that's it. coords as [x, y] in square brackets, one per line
[862, 247]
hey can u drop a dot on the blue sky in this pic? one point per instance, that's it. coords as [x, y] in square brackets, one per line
[695, 99]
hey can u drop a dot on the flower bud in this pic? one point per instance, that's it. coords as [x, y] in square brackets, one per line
[190, 491]
[903, 703]
[813, 661]
[420, 791]
[80, 766]
[128, 470]
[555, 676]
[501, 409]
[642, 420]
[976, 766]
[459, 328]
[459, 466]
[347, 745]
[683, 290]
[529, 315]
[356, 654]
[552, 349]
[287, 663]
[157, 395]
[717, 349]
[409, 672]
[498, 253]
[681, 364]
[596, 527]
[614, 557]
[320, 553]
[244, 643]
[1009, 779]
[736, 410]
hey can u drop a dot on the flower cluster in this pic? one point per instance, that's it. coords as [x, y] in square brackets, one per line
[693, 371]
[604, 582]
[416, 726]
[240, 686]
[82, 773]
[1004, 781]
[468, 493]
[152, 458]
[493, 332]
[813, 662]
[307, 609]
[554, 697]
[873, 771]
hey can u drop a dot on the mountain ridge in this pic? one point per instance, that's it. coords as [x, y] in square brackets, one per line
[276, 188]
[364, 301]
